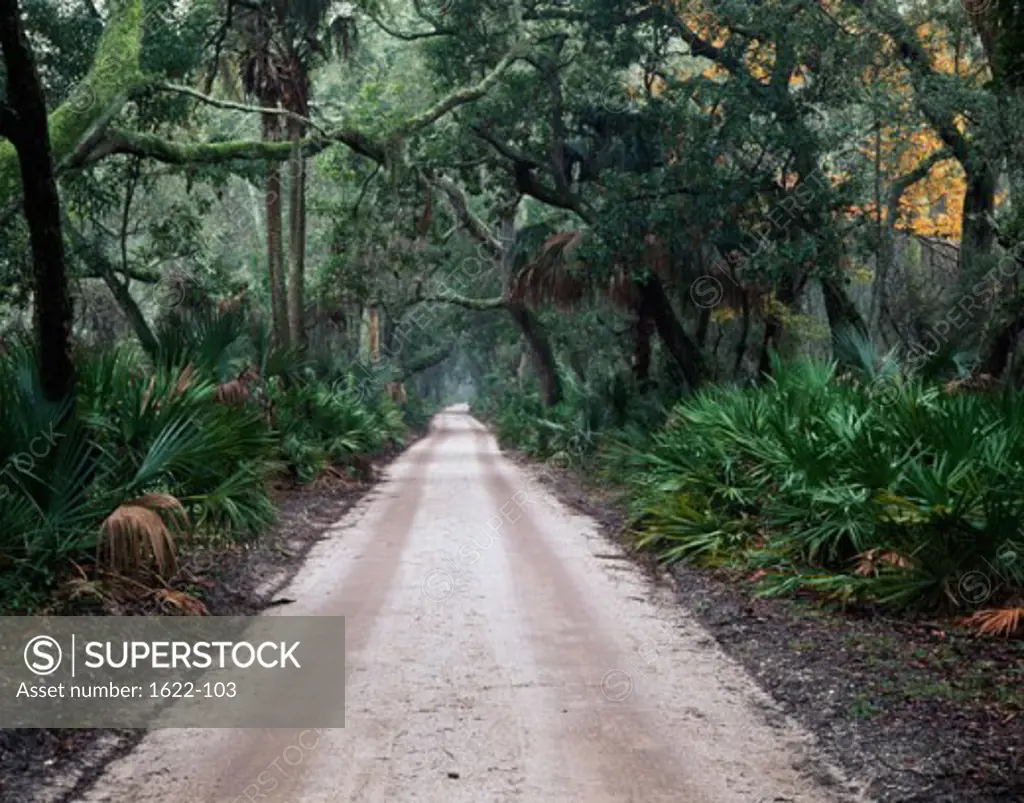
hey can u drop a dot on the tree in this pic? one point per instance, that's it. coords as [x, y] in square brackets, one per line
[23, 120]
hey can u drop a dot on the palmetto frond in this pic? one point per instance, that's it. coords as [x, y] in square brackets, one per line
[997, 622]
[550, 277]
[140, 534]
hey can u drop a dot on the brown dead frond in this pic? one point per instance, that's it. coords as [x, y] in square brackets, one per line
[996, 621]
[621, 288]
[234, 392]
[148, 393]
[868, 562]
[181, 601]
[656, 256]
[185, 380]
[548, 279]
[81, 586]
[977, 383]
[169, 506]
[136, 535]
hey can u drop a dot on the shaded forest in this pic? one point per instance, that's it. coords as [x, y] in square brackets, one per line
[755, 262]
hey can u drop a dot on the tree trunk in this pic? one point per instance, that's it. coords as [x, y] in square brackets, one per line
[642, 333]
[523, 364]
[977, 235]
[31, 139]
[788, 290]
[297, 240]
[576, 363]
[275, 245]
[703, 321]
[369, 334]
[655, 304]
[532, 331]
[843, 314]
[132, 312]
[997, 354]
[741, 346]
[373, 330]
[543, 356]
[98, 261]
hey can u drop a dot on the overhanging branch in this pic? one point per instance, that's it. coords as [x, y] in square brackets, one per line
[150, 146]
[429, 361]
[479, 304]
[241, 107]
[457, 98]
[470, 222]
[162, 150]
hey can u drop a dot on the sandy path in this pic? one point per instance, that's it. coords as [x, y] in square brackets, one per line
[498, 650]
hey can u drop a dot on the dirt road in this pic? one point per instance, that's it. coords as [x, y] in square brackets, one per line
[498, 649]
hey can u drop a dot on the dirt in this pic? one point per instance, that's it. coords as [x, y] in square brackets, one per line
[498, 648]
[544, 661]
[236, 580]
[914, 710]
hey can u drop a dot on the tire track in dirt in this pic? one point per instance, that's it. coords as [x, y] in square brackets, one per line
[478, 664]
[359, 595]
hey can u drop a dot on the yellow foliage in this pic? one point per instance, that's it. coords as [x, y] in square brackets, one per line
[723, 314]
[864, 274]
[760, 60]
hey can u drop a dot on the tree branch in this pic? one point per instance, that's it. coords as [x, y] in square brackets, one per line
[153, 147]
[917, 61]
[242, 107]
[528, 184]
[470, 222]
[457, 98]
[479, 304]
[908, 180]
[408, 37]
[78, 128]
[150, 146]
[429, 361]
[506, 149]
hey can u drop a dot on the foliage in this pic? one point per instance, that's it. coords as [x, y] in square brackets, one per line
[897, 492]
[155, 453]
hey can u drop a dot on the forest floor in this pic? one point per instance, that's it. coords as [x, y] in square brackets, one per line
[498, 648]
[916, 710]
[241, 580]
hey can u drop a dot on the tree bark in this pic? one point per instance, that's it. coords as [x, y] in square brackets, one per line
[297, 240]
[741, 346]
[997, 355]
[31, 139]
[523, 363]
[533, 333]
[789, 289]
[977, 236]
[275, 246]
[655, 304]
[703, 321]
[643, 330]
[122, 295]
[843, 314]
[543, 357]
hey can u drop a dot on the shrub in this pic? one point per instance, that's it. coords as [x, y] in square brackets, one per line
[893, 491]
[149, 453]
